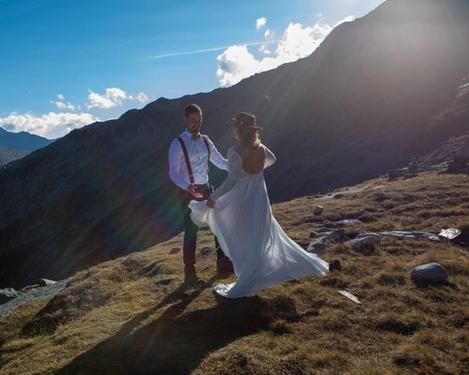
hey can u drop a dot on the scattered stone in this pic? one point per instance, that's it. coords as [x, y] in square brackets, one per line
[175, 250]
[411, 234]
[347, 222]
[429, 274]
[335, 265]
[206, 251]
[46, 282]
[341, 193]
[350, 296]
[450, 233]
[322, 232]
[321, 237]
[318, 210]
[317, 246]
[8, 294]
[29, 287]
[349, 235]
[364, 241]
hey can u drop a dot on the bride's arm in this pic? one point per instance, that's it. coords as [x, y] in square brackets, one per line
[234, 165]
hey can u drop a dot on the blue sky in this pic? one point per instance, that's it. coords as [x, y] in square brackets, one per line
[66, 63]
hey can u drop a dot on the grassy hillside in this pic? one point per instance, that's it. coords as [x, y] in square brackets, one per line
[133, 316]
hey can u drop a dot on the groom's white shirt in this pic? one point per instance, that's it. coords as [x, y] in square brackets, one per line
[198, 157]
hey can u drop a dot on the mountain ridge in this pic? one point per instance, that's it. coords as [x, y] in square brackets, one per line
[362, 103]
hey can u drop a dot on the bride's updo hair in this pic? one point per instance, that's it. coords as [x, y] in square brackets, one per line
[248, 130]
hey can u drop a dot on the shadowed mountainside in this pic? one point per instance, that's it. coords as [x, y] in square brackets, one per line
[16, 145]
[8, 154]
[359, 105]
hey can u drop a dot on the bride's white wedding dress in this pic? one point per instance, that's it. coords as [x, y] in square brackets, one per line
[261, 252]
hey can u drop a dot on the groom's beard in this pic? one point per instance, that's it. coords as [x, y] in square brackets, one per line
[194, 131]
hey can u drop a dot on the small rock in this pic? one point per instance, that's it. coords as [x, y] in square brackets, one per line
[175, 250]
[318, 210]
[364, 240]
[46, 282]
[450, 233]
[206, 251]
[350, 296]
[335, 265]
[429, 274]
[8, 294]
[347, 222]
[328, 233]
[349, 235]
[317, 246]
[411, 234]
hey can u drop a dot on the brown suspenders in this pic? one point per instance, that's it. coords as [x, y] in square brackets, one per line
[186, 156]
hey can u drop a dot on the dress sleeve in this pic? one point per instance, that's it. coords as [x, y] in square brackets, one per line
[234, 173]
[269, 157]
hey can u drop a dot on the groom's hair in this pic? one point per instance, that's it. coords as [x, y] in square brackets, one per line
[192, 108]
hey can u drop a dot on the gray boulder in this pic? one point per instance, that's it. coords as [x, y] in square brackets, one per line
[364, 240]
[317, 246]
[329, 233]
[429, 274]
[8, 294]
[411, 234]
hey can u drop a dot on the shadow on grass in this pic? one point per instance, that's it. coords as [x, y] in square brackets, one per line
[177, 342]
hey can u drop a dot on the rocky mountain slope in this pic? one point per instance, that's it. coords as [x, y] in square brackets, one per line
[362, 103]
[16, 145]
[132, 315]
[7, 155]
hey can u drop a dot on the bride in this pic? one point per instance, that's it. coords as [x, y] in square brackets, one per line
[240, 215]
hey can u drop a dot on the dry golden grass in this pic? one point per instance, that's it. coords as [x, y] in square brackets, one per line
[133, 316]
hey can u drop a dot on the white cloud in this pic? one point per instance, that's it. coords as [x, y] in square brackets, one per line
[261, 22]
[61, 104]
[142, 97]
[269, 34]
[112, 97]
[298, 41]
[50, 125]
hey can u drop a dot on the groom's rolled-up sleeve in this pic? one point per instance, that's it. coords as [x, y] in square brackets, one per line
[216, 158]
[175, 171]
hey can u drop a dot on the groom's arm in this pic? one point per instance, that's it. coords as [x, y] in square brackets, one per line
[174, 158]
[216, 158]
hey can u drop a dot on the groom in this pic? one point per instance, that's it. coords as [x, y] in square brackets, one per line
[189, 154]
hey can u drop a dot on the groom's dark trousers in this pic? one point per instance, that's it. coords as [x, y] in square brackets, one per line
[190, 229]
